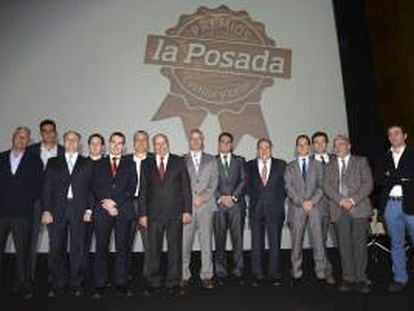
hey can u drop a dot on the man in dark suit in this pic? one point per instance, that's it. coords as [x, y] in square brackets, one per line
[165, 204]
[320, 143]
[46, 149]
[230, 206]
[141, 152]
[395, 175]
[20, 180]
[114, 184]
[348, 184]
[266, 191]
[67, 208]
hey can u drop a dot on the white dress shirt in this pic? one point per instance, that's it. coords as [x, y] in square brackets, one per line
[261, 164]
[223, 156]
[138, 160]
[196, 157]
[397, 191]
[319, 157]
[158, 159]
[15, 159]
[300, 161]
[71, 159]
[46, 154]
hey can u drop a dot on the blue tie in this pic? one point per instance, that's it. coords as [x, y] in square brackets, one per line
[304, 168]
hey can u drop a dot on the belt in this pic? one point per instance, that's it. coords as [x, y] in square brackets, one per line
[398, 199]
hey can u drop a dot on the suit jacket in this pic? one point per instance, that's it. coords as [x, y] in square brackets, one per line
[120, 188]
[18, 192]
[204, 183]
[56, 186]
[267, 200]
[35, 150]
[387, 176]
[162, 200]
[234, 184]
[300, 189]
[324, 203]
[358, 179]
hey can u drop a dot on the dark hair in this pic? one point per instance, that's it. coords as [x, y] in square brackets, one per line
[400, 126]
[226, 134]
[141, 132]
[96, 135]
[119, 134]
[47, 122]
[320, 134]
[262, 140]
[304, 137]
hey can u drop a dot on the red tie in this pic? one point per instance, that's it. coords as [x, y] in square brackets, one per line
[114, 166]
[161, 169]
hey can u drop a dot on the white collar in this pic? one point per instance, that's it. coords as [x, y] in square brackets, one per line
[346, 159]
[139, 158]
[43, 147]
[196, 154]
[400, 151]
[74, 155]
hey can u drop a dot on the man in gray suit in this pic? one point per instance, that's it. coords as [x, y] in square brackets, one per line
[231, 204]
[348, 184]
[303, 179]
[203, 171]
[320, 143]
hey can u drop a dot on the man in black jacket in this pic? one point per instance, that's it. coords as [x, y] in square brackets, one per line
[114, 184]
[67, 203]
[396, 177]
[266, 190]
[20, 180]
[46, 149]
[165, 204]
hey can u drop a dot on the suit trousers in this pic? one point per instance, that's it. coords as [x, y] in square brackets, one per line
[201, 226]
[173, 229]
[352, 235]
[299, 220]
[104, 224]
[20, 230]
[228, 219]
[65, 270]
[260, 225]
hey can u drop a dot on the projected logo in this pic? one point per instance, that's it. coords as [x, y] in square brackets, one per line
[218, 61]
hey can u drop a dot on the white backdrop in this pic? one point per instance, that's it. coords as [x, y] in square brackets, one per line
[82, 64]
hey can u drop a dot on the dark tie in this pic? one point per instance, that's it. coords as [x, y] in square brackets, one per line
[323, 160]
[304, 168]
[161, 169]
[343, 188]
[226, 165]
[114, 166]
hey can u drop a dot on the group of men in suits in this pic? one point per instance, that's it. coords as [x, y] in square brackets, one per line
[196, 196]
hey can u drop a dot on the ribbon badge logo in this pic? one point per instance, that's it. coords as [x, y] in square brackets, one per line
[218, 61]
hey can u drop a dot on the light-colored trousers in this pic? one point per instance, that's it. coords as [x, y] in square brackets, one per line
[299, 220]
[201, 226]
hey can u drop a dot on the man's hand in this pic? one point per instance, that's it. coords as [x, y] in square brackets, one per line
[47, 218]
[347, 204]
[143, 221]
[226, 200]
[87, 217]
[186, 218]
[308, 205]
[108, 204]
[113, 212]
[198, 201]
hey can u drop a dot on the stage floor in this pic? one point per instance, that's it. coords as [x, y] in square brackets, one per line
[308, 296]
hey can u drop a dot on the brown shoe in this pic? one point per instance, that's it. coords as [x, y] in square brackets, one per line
[207, 284]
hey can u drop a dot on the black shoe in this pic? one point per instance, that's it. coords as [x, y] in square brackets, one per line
[98, 293]
[238, 280]
[396, 287]
[207, 284]
[297, 281]
[152, 292]
[123, 292]
[175, 291]
[78, 292]
[27, 294]
[345, 287]
[184, 284]
[54, 293]
[276, 281]
[221, 280]
[257, 282]
[330, 280]
[363, 288]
